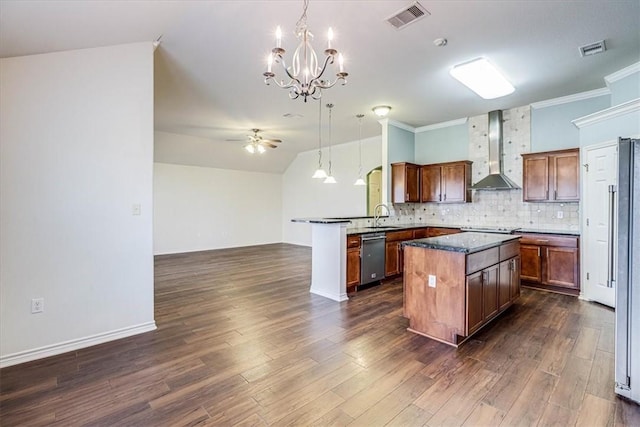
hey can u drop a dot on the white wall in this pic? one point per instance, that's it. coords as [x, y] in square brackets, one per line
[76, 149]
[198, 208]
[303, 196]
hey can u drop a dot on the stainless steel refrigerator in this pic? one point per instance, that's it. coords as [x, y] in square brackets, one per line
[627, 355]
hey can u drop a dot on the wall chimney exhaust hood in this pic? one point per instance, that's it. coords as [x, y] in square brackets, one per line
[496, 180]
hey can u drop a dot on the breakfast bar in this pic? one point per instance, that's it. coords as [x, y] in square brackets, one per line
[456, 284]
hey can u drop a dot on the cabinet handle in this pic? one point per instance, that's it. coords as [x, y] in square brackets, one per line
[538, 251]
[439, 197]
[555, 194]
[546, 194]
[483, 277]
[445, 197]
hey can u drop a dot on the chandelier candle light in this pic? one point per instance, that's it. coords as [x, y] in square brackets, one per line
[360, 181]
[305, 73]
[330, 179]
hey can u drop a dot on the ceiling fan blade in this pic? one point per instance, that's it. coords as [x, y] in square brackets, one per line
[277, 141]
[269, 145]
[235, 140]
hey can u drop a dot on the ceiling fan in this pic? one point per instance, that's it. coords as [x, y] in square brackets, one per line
[257, 144]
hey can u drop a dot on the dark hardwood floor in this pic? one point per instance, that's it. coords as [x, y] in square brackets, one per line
[240, 341]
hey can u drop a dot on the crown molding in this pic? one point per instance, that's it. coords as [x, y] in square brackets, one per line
[608, 114]
[571, 98]
[442, 125]
[400, 125]
[621, 74]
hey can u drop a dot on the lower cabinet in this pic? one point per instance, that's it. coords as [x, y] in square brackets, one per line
[482, 297]
[508, 282]
[551, 262]
[394, 255]
[353, 263]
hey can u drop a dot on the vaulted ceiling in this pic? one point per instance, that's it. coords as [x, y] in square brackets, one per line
[208, 68]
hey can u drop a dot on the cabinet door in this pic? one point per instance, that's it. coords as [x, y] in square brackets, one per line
[535, 178]
[531, 263]
[508, 282]
[413, 183]
[454, 189]
[515, 278]
[490, 292]
[562, 267]
[504, 283]
[474, 302]
[431, 190]
[353, 267]
[565, 177]
[392, 260]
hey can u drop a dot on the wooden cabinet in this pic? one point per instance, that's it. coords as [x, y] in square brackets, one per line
[552, 176]
[442, 231]
[551, 262]
[353, 263]
[394, 254]
[405, 182]
[451, 295]
[446, 182]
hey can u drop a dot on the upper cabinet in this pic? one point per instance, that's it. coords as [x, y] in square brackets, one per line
[446, 182]
[553, 176]
[405, 182]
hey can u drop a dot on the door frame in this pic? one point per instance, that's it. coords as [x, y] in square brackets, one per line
[584, 292]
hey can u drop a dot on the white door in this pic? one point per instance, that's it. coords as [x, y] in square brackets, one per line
[600, 172]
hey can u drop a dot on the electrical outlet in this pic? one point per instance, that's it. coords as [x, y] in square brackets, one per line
[37, 305]
[136, 209]
[560, 214]
[432, 281]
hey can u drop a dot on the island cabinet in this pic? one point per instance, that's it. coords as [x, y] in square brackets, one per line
[446, 182]
[456, 284]
[353, 263]
[405, 182]
[552, 176]
[551, 262]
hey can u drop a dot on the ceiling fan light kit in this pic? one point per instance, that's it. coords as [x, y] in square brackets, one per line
[257, 144]
[304, 78]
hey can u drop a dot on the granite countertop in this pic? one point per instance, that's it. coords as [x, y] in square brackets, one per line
[468, 242]
[322, 220]
[398, 227]
[541, 231]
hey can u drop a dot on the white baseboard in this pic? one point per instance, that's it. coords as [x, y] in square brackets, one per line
[63, 347]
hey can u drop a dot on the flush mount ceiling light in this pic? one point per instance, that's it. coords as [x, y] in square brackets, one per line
[381, 110]
[483, 78]
[305, 75]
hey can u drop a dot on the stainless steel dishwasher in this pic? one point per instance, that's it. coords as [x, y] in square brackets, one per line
[372, 258]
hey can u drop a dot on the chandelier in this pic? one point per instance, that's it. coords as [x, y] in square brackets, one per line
[304, 77]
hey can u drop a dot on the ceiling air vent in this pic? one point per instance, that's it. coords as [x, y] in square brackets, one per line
[407, 15]
[592, 48]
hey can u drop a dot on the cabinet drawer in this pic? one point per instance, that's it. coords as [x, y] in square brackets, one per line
[420, 233]
[441, 231]
[509, 250]
[353, 241]
[399, 235]
[483, 259]
[549, 240]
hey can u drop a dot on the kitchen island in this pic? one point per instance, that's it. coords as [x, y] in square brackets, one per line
[456, 284]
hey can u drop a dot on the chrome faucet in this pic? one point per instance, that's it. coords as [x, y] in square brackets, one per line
[377, 211]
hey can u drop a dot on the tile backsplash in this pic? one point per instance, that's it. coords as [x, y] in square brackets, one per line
[503, 208]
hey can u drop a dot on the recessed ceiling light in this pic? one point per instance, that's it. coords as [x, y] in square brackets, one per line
[440, 42]
[483, 78]
[381, 110]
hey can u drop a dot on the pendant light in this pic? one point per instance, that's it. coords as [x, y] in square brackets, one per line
[360, 181]
[330, 179]
[319, 173]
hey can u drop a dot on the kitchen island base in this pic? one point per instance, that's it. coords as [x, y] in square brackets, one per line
[451, 293]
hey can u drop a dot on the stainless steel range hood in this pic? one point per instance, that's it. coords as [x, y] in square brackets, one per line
[496, 180]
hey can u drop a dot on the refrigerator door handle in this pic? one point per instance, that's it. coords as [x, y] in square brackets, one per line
[611, 246]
